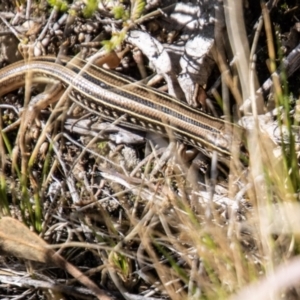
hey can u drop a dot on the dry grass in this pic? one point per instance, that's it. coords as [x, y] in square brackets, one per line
[161, 236]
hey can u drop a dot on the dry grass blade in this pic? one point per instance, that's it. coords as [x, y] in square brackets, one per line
[17, 240]
[285, 276]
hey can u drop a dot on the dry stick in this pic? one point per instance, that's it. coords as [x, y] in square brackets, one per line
[27, 282]
[17, 240]
[291, 64]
